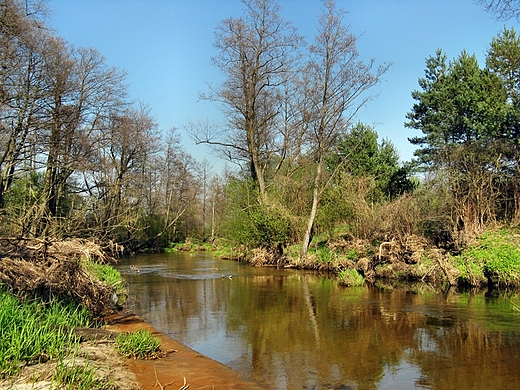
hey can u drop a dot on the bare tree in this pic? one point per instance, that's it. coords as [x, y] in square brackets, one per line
[80, 92]
[20, 88]
[502, 9]
[256, 53]
[333, 87]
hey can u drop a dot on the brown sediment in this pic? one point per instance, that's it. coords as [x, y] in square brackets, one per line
[180, 367]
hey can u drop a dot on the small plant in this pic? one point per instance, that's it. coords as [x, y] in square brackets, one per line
[138, 345]
[324, 254]
[351, 278]
[352, 254]
[77, 377]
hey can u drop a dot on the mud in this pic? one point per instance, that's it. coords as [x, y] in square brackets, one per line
[180, 367]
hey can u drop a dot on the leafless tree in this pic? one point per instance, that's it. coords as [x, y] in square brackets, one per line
[257, 54]
[333, 88]
[80, 92]
[502, 9]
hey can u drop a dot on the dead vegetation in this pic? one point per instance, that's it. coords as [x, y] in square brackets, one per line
[409, 258]
[54, 269]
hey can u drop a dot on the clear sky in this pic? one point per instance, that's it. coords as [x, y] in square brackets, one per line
[166, 46]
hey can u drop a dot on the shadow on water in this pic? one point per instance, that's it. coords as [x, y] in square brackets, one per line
[287, 329]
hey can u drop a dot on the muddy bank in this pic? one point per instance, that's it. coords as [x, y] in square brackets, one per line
[180, 363]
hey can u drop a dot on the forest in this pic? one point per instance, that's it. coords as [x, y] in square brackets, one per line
[313, 187]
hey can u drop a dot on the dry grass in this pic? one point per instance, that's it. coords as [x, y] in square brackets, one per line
[49, 269]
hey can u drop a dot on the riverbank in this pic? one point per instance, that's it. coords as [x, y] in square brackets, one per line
[180, 367]
[41, 275]
[488, 260]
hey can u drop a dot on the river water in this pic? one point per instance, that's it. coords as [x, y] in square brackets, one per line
[290, 329]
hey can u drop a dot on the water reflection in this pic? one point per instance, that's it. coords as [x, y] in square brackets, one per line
[286, 329]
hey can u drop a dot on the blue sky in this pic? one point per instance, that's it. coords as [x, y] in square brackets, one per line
[166, 46]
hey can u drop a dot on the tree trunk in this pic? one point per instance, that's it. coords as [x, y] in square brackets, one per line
[312, 216]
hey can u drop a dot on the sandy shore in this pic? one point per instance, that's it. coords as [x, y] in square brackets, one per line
[182, 363]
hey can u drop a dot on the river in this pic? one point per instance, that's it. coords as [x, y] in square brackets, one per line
[291, 329]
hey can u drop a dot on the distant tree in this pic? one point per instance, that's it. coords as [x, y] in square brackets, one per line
[359, 154]
[333, 84]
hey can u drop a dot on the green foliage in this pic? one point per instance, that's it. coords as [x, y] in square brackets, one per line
[352, 254]
[351, 278]
[471, 269]
[324, 254]
[460, 104]
[497, 258]
[336, 207]
[253, 223]
[361, 155]
[139, 344]
[33, 330]
[108, 275]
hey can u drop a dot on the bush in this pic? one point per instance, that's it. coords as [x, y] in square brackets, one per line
[252, 223]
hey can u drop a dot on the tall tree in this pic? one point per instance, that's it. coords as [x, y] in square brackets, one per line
[333, 86]
[462, 111]
[503, 59]
[81, 90]
[256, 53]
[21, 90]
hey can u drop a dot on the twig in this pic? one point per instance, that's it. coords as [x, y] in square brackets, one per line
[184, 386]
[168, 384]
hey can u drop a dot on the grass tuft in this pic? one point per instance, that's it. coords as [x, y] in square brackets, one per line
[138, 345]
[351, 278]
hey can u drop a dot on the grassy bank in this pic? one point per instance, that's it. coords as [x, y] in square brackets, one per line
[33, 331]
[51, 306]
[491, 259]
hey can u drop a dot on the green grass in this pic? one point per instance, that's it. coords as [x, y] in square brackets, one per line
[138, 345]
[78, 377]
[351, 278]
[108, 275]
[497, 257]
[33, 331]
[324, 254]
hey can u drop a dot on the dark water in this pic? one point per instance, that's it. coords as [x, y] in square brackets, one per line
[286, 329]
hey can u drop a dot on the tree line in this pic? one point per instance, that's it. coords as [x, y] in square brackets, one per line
[80, 158]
